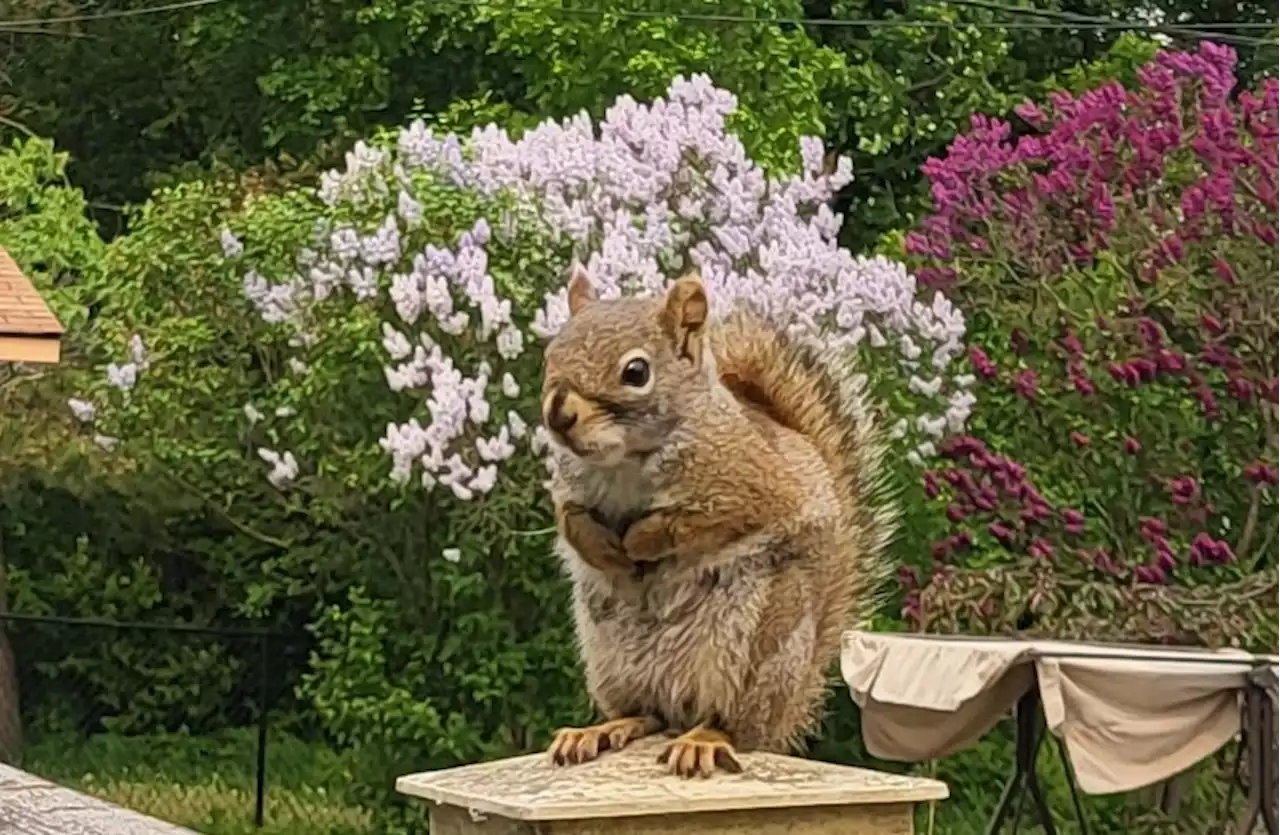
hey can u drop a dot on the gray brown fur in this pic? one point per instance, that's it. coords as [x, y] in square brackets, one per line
[721, 528]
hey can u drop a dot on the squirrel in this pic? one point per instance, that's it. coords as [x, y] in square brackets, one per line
[721, 513]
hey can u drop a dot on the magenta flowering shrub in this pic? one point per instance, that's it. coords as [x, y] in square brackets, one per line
[1119, 263]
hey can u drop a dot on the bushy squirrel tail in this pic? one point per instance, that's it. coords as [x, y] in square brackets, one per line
[817, 393]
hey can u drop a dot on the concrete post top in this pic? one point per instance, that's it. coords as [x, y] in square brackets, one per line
[630, 782]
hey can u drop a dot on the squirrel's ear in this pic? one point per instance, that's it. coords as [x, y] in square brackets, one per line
[684, 314]
[580, 290]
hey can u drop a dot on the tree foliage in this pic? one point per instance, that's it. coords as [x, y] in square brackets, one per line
[245, 81]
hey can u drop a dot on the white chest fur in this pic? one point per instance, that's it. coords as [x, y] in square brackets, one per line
[615, 493]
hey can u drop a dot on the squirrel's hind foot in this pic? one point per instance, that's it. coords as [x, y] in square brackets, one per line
[699, 752]
[580, 745]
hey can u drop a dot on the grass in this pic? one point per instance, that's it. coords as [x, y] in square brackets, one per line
[207, 783]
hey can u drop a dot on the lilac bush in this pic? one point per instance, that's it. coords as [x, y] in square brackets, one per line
[439, 264]
[1123, 255]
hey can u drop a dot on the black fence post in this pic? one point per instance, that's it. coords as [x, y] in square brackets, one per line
[264, 707]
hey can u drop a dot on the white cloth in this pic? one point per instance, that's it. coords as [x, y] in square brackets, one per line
[1130, 716]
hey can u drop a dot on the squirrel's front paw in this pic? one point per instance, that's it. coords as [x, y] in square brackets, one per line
[580, 745]
[648, 538]
[595, 544]
[699, 752]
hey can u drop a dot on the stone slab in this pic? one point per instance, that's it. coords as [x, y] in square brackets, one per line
[631, 783]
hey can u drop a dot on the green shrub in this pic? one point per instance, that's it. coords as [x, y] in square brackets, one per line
[86, 535]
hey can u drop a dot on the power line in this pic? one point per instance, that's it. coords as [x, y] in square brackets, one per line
[33, 30]
[84, 18]
[888, 23]
[1059, 20]
[1058, 14]
[898, 23]
[1200, 30]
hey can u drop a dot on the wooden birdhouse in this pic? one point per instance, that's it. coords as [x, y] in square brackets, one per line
[29, 332]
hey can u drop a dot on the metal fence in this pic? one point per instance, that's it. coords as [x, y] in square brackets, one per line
[115, 708]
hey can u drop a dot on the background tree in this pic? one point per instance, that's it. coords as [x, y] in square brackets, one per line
[243, 81]
[44, 227]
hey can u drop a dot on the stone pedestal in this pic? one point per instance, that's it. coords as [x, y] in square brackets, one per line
[628, 793]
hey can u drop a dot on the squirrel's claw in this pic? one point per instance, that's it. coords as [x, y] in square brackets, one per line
[579, 745]
[698, 753]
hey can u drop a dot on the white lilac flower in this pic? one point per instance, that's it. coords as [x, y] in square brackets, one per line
[106, 442]
[404, 444]
[407, 296]
[251, 412]
[123, 377]
[324, 276]
[456, 324]
[395, 343]
[344, 243]
[410, 210]
[453, 555]
[959, 407]
[284, 467]
[484, 479]
[925, 388]
[364, 283]
[643, 194]
[497, 448]
[138, 352]
[517, 425]
[932, 427]
[232, 248]
[417, 146]
[285, 473]
[406, 375]
[357, 182]
[383, 246]
[510, 343]
[82, 410]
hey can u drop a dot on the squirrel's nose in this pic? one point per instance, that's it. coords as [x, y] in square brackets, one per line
[556, 417]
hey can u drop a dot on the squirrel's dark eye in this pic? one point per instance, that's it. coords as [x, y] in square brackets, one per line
[636, 374]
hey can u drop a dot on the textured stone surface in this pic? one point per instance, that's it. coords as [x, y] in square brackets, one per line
[631, 783]
[30, 805]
